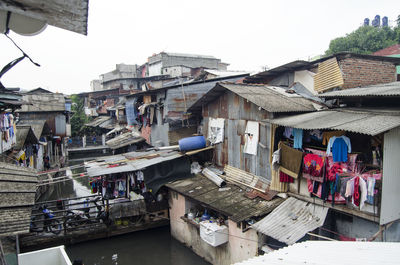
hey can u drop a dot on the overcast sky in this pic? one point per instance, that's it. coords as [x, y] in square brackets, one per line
[246, 34]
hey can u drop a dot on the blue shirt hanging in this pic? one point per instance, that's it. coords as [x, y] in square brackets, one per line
[339, 150]
[298, 138]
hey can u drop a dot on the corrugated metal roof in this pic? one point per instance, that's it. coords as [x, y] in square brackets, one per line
[295, 65]
[128, 162]
[366, 121]
[384, 90]
[24, 135]
[331, 253]
[291, 220]
[230, 201]
[38, 126]
[270, 98]
[17, 196]
[220, 73]
[124, 140]
[98, 121]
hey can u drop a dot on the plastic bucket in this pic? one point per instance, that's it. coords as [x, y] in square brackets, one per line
[191, 143]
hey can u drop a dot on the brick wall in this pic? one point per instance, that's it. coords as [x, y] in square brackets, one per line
[362, 72]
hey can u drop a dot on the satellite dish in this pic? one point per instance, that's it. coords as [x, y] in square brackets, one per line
[21, 24]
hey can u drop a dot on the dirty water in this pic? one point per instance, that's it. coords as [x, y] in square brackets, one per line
[149, 247]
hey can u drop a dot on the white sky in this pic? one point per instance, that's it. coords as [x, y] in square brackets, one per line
[247, 34]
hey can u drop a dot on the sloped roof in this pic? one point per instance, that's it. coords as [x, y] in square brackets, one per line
[381, 90]
[10, 98]
[17, 196]
[291, 220]
[25, 135]
[220, 73]
[66, 14]
[366, 121]
[98, 121]
[292, 66]
[39, 127]
[128, 162]
[232, 201]
[270, 98]
[331, 253]
[39, 90]
[391, 50]
[124, 139]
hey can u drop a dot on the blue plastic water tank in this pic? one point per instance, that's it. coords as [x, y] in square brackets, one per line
[385, 21]
[366, 21]
[377, 21]
[191, 143]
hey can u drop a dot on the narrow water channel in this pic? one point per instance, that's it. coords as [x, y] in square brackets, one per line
[149, 247]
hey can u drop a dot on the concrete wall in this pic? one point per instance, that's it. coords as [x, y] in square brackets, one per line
[159, 61]
[155, 69]
[121, 71]
[125, 84]
[241, 246]
[95, 85]
[189, 61]
[360, 228]
[176, 71]
[361, 72]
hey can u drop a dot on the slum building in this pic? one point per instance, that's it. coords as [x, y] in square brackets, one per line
[162, 114]
[366, 119]
[247, 124]
[55, 109]
[234, 122]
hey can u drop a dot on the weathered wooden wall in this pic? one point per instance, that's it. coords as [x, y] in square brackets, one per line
[237, 111]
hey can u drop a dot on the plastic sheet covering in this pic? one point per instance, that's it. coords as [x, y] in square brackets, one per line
[160, 174]
[131, 112]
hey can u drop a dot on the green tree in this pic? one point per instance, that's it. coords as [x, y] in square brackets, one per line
[78, 118]
[366, 40]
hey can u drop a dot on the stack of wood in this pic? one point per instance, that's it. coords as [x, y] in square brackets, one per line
[239, 176]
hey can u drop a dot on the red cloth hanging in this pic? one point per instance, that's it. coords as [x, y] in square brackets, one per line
[285, 178]
[356, 195]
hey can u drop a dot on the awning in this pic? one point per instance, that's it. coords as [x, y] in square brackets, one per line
[128, 162]
[366, 121]
[291, 220]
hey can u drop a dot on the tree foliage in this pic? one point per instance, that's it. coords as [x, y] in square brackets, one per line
[366, 40]
[78, 118]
